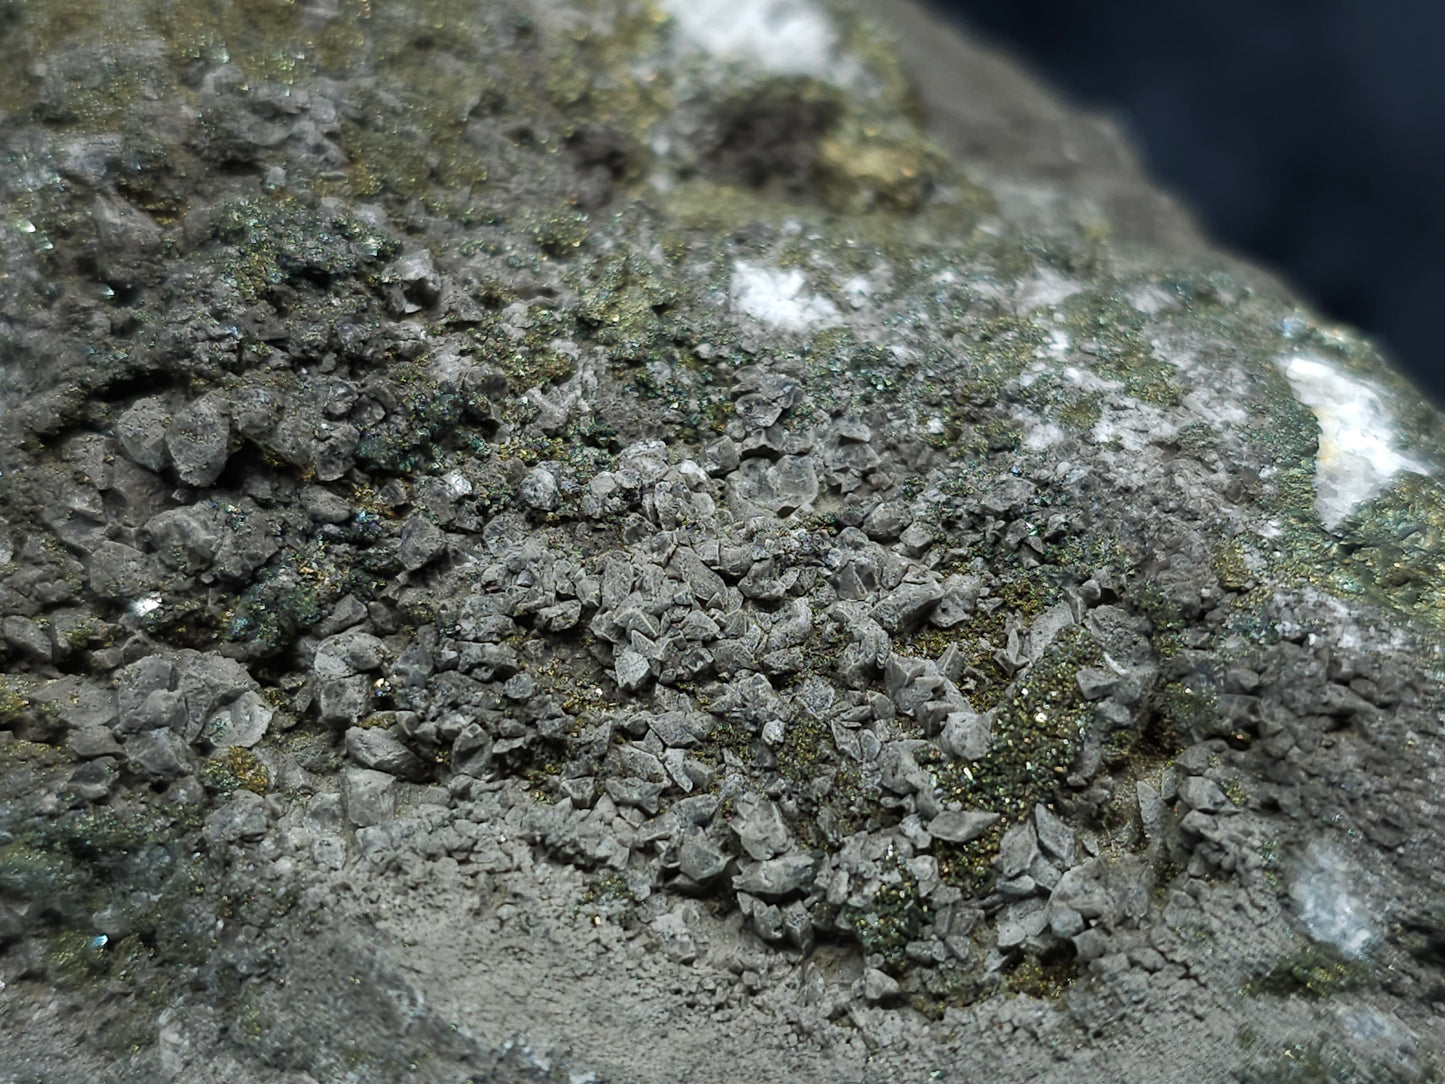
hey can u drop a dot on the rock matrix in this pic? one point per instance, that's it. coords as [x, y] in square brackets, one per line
[526, 526]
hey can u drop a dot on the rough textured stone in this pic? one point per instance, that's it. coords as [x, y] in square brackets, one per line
[241, 723]
[641, 508]
[878, 986]
[1017, 850]
[699, 859]
[119, 572]
[760, 829]
[421, 542]
[776, 877]
[159, 754]
[244, 817]
[382, 751]
[370, 796]
[142, 433]
[198, 440]
[961, 827]
[1055, 837]
[186, 539]
[632, 670]
[539, 489]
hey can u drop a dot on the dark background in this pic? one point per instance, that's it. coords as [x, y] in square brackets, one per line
[1308, 135]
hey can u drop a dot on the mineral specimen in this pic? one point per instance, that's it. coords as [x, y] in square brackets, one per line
[588, 521]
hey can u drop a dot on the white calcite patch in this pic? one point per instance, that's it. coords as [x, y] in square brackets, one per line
[1044, 289]
[1357, 456]
[779, 298]
[784, 37]
[857, 291]
[1133, 426]
[1151, 299]
[457, 485]
[1040, 435]
[1325, 903]
[1209, 406]
[1083, 379]
[1088, 380]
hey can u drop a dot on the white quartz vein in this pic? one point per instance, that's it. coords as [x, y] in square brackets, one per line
[1357, 455]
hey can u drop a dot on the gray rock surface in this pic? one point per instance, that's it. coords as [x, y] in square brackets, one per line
[580, 542]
